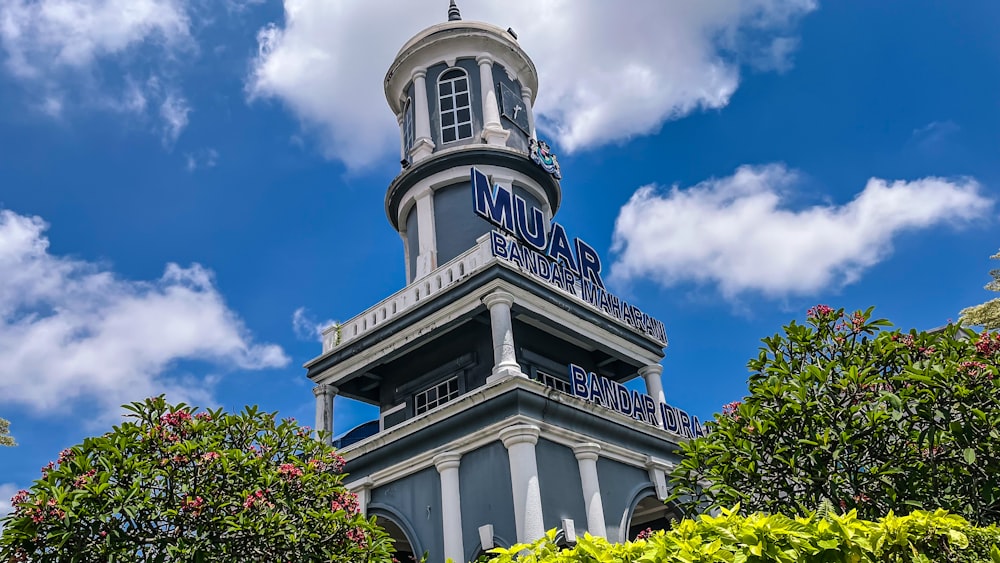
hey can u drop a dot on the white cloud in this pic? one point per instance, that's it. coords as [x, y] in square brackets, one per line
[306, 328]
[7, 491]
[607, 71]
[72, 331]
[174, 111]
[739, 233]
[45, 36]
[87, 53]
[204, 158]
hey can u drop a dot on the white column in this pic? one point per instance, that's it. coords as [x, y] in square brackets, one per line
[654, 387]
[520, 443]
[451, 505]
[324, 410]
[423, 146]
[526, 98]
[504, 356]
[426, 233]
[586, 456]
[362, 488]
[493, 131]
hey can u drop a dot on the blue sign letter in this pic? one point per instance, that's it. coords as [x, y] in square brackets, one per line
[494, 204]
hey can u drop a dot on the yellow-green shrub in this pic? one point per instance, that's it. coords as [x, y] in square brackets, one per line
[920, 537]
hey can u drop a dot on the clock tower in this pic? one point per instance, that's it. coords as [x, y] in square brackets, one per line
[516, 393]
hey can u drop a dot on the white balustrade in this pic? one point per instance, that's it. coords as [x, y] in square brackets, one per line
[433, 284]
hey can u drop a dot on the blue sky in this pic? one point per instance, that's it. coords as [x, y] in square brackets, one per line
[187, 188]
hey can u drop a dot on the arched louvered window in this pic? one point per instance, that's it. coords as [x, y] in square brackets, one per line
[455, 105]
[408, 132]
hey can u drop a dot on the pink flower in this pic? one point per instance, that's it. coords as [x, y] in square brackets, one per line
[176, 418]
[65, 455]
[193, 505]
[289, 470]
[209, 456]
[731, 409]
[346, 501]
[20, 497]
[819, 311]
[645, 534]
[988, 344]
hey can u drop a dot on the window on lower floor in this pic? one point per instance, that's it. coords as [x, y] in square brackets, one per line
[438, 394]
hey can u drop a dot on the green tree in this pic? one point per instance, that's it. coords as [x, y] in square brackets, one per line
[845, 411]
[173, 484]
[986, 315]
[5, 438]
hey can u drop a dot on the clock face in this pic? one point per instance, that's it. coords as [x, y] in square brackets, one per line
[512, 108]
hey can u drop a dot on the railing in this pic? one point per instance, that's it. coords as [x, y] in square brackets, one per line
[421, 290]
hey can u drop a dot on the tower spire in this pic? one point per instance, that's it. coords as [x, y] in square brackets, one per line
[453, 13]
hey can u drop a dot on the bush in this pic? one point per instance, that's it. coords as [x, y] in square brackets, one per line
[845, 409]
[173, 484]
[920, 537]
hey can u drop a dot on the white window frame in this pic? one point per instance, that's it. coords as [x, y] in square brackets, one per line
[440, 399]
[456, 125]
[383, 415]
[549, 380]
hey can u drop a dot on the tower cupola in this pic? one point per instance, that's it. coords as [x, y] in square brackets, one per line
[462, 92]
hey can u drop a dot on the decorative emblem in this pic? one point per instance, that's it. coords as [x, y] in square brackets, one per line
[542, 155]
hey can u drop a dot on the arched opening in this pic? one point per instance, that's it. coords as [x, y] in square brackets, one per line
[650, 513]
[454, 105]
[405, 550]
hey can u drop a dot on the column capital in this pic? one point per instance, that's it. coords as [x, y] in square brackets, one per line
[519, 434]
[419, 72]
[365, 482]
[660, 464]
[587, 451]
[447, 460]
[322, 389]
[423, 191]
[651, 370]
[498, 297]
[484, 60]
[526, 92]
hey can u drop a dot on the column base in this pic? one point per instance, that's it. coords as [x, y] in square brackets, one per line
[505, 372]
[426, 263]
[422, 148]
[495, 134]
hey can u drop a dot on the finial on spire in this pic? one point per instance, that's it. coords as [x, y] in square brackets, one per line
[453, 13]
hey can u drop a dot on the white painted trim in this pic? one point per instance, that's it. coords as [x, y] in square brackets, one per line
[383, 414]
[430, 47]
[479, 257]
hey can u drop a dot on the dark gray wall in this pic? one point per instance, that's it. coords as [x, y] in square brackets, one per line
[486, 494]
[619, 483]
[560, 486]
[417, 498]
[517, 139]
[456, 223]
[412, 240]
